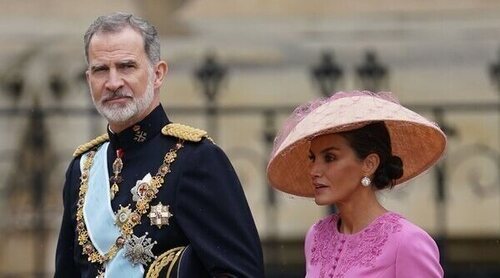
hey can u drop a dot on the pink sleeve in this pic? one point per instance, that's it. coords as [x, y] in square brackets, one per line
[417, 256]
[308, 245]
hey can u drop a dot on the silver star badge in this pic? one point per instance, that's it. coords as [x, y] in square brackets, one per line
[138, 250]
[159, 215]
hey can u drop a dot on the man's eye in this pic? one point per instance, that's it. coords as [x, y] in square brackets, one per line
[128, 66]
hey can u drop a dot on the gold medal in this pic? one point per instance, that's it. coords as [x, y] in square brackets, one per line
[123, 215]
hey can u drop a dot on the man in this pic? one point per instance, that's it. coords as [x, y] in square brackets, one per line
[149, 198]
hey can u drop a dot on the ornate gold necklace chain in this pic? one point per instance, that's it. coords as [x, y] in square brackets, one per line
[126, 229]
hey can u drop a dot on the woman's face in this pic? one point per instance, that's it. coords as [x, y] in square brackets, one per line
[335, 169]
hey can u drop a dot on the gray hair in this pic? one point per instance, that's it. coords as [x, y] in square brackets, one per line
[116, 22]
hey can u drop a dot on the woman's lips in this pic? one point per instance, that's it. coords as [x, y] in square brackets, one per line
[319, 186]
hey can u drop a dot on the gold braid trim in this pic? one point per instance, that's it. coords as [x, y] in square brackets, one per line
[133, 220]
[87, 146]
[185, 132]
[169, 258]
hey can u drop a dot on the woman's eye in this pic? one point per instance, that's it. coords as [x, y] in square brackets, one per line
[311, 157]
[330, 157]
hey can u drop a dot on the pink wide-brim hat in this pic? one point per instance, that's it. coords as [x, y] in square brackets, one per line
[419, 142]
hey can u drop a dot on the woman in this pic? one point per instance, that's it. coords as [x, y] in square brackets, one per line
[341, 151]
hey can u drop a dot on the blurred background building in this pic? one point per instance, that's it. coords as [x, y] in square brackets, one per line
[237, 69]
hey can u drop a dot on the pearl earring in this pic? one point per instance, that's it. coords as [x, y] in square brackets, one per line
[366, 181]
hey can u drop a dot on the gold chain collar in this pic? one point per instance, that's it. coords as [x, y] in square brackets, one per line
[126, 229]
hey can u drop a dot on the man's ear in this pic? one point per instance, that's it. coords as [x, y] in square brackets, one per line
[370, 164]
[87, 76]
[160, 71]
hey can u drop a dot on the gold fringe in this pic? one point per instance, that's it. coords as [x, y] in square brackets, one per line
[185, 132]
[169, 258]
[87, 146]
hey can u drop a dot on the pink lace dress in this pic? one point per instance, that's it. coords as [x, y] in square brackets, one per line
[390, 246]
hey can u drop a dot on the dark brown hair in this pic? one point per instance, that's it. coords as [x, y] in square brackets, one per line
[375, 138]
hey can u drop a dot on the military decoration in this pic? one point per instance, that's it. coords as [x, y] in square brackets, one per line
[138, 250]
[117, 169]
[123, 215]
[160, 215]
[141, 187]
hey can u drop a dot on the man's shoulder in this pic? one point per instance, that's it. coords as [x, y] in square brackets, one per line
[180, 131]
[83, 148]
[185, 132]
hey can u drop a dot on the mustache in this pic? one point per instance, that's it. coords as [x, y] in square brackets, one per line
[110, 95]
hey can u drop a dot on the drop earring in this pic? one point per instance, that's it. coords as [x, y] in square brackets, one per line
[366, 181]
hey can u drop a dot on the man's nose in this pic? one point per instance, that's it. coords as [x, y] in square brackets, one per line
[114, 81]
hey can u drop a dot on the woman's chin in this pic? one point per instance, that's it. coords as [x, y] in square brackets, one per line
[321, 201]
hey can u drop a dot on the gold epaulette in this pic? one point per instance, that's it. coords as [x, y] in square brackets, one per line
[87, 146]
[185, 132]
[165, 260]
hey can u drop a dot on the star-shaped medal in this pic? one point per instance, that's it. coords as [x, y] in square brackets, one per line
[138, 250]
[122, 215]
[159, 215]
[140, 188]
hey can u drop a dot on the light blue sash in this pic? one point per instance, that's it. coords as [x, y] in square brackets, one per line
[100, 219]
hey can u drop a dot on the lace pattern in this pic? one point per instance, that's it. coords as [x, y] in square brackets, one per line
[336, 253]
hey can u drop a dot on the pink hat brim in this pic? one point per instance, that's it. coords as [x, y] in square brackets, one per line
[417, 141]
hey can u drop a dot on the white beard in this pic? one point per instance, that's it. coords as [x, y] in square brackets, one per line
[120, 113]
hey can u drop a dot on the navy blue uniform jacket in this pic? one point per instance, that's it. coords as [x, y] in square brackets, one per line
[210, 211]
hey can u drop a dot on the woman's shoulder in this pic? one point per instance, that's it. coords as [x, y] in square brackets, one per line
[327, 221]
[416, 251]
[411, 229]
[323, 225]
[412, 234]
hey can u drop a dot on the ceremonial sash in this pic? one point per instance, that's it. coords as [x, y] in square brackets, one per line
[100, 218]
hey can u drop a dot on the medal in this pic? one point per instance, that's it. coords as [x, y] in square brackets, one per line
[140, 188]
[159, 215]
[123, 215]
[138, 250]
[117, 169]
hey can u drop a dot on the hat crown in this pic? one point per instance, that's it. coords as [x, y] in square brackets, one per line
[418, 141]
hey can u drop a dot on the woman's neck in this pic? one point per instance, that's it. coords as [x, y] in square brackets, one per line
[357, 213]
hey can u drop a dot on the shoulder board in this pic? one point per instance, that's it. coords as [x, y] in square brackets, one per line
[89, 145]
[185, 132]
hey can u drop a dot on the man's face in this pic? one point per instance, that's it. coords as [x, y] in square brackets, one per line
[123, 83]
